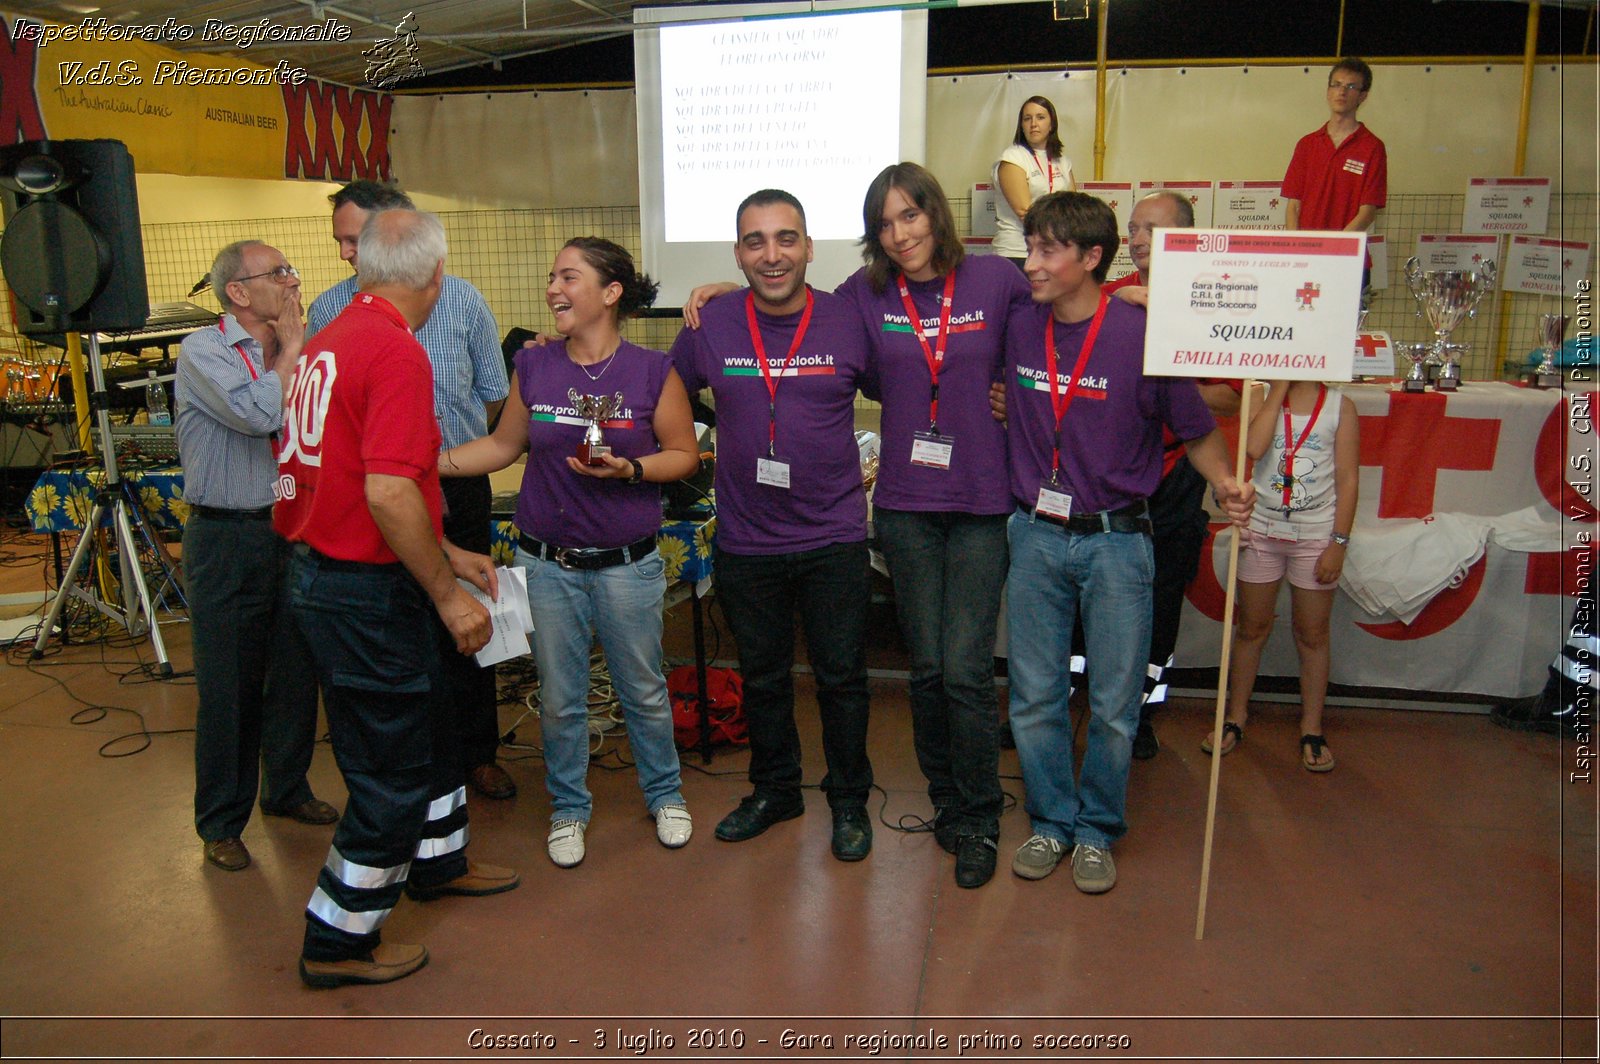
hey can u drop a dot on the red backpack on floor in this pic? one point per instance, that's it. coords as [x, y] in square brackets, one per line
[725, 698]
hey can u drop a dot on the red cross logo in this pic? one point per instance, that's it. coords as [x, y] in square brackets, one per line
[1193, 200]
[1112, 204]
[1273, 202]
[1307, 295]
[1414, 442]
[1370, 345]
[1527, 201]
[1476, 258]
[1226, 277]
[1566, 264]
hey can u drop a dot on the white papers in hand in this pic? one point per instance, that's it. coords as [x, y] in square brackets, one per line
[510, 617]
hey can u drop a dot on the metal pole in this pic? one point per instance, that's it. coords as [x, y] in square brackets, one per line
[1100, 93]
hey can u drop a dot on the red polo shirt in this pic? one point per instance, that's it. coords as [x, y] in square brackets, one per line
[1333, 183]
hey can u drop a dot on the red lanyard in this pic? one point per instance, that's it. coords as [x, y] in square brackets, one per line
[239, 347]
[935, 354]
[1060, 403]
[1291, 446]
[1049, 172]
[761, 359]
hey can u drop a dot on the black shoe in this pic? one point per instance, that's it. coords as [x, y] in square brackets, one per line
[1534, 714]
[944, 828]
[756, 814]
[852, 833]
[975, 857]
[1007, 740]
[1144, 742]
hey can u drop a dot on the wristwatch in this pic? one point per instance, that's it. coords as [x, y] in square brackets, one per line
[1340, 538]
[638, 475]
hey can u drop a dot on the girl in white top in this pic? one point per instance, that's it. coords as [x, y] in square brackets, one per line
[1031, 167]
[1305, 442]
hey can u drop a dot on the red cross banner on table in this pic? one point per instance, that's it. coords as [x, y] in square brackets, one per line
[1253, 303]
[1506, 205]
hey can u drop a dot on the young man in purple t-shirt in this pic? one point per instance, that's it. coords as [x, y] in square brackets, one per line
[784, 364]
[1084, 428]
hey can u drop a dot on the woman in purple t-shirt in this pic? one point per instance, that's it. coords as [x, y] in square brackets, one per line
[938, 324]
[587, 517]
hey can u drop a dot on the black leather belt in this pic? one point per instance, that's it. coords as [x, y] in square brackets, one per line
[341, 565]
[218, 513]
[587, 557]
[1132, 518]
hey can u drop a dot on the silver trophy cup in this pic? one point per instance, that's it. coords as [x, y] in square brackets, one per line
[1417, 379]
[1447, 298]
[1552, 331]
[594, 409]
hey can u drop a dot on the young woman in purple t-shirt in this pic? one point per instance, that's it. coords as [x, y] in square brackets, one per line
[587, 524]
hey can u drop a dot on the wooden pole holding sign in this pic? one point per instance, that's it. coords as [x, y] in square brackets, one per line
[1231, 587]
[1249, 304]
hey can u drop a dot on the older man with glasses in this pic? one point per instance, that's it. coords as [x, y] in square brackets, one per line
[257, 702]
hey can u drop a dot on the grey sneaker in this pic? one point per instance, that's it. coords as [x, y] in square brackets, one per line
[566, 842]
[1093, 871]
[1037, 857]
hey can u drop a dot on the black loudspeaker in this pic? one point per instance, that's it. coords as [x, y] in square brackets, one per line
[72, 251]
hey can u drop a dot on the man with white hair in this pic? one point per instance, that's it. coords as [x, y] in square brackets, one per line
[360, 500]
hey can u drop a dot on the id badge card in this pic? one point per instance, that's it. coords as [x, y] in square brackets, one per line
[931, 451]
[1053, 503]
[773, 473]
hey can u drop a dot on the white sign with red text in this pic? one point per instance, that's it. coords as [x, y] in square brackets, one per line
[1544, 266]
[1200, 194]
[1507, 205]
[1456, 251]
[1248, 205]
[1267, 304]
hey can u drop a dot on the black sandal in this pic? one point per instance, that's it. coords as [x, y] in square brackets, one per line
[1228, 728]
[1312, 759]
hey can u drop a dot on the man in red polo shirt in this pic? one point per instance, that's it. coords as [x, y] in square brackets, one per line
[1339, 175]
[359, 500]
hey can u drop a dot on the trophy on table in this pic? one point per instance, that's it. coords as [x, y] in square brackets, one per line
[1446, 297]
[1552, 331]
[1417, 379]
[594, 409]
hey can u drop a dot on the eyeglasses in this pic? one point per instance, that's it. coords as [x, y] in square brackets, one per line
[1340, 86]
[279, 274]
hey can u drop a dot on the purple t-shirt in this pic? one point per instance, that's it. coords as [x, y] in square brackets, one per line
[815, 410]
[1111, 436]
[988, 289]
[567, 509]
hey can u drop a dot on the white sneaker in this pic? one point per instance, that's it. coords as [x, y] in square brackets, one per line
[673, 826]
[566, 842]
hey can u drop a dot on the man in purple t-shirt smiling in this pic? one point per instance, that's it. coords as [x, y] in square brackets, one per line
[783, 363]
[1084, 428]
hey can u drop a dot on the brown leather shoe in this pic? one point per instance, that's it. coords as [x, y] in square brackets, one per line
[228, 854]
[492, 781]
[386, 963]
[477, 880]
[311, 811]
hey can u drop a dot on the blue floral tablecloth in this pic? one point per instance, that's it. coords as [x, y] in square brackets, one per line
[60, 502]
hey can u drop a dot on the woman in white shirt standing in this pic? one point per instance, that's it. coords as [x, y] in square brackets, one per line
[1031, 167]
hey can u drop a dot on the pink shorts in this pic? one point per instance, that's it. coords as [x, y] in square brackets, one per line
[1263, 560]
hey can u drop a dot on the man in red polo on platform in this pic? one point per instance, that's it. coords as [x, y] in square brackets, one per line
[1339, 176]
[359, 500]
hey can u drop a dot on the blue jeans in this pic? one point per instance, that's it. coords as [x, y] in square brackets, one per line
[948, 569]
[1105, 578]
[760, 594]
[622, 605]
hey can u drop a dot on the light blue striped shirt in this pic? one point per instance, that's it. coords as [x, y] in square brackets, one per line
[225, 415]
[463, 344]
